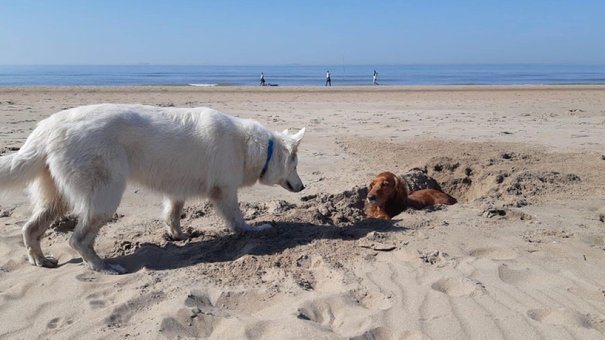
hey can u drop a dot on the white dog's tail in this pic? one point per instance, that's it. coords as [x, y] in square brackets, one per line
[19, 168]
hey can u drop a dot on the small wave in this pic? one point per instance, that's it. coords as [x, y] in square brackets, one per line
[203, 84]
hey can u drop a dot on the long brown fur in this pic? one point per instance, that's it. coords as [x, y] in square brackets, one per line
[388, 196]
[427, 197]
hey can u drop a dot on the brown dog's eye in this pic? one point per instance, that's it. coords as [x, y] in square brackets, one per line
[384, 184]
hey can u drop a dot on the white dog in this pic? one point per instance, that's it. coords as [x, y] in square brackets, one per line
[80, 160]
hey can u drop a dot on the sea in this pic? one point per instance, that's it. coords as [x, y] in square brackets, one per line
[299, 75]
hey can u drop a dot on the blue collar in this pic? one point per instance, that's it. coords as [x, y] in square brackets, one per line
[269, 154]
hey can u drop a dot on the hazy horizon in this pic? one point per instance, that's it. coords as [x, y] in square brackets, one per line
[316, 65]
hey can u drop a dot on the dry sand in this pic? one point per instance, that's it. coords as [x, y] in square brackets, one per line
[522, 256]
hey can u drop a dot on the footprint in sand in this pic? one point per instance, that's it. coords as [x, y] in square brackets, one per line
[384, 333]
[339, 313]
[52, 324]
[375, 300]
[494, 253]
[523, 276]
[591, 293]
[456, 287]
[87, 277]
[56, 323]
[189, 324]
[120, 316]
[513, 276]
[203, 312]
[97, 304]
[99, 299]
[567, 317]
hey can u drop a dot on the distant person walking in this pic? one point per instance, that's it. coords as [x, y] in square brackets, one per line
[328, 78]
[262, 79]
[375, 78]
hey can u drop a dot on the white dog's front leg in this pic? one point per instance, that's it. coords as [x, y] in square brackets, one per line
[225, 201]
[172, 219]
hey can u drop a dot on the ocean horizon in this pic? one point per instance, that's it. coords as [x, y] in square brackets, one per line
[299, 75]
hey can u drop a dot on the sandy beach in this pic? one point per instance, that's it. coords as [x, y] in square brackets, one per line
[521, 256]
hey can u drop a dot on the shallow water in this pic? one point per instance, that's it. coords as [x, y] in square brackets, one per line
[300, 75]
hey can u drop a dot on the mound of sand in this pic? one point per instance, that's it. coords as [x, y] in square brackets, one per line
[418, 179]
[341, 209]
[504, 179]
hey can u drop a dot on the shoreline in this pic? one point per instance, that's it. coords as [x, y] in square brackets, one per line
[303, 75]
[288, 88]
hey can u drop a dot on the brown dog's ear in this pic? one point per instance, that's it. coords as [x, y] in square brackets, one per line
[401, 187]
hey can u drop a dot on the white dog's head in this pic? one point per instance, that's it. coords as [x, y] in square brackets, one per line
[282, 166]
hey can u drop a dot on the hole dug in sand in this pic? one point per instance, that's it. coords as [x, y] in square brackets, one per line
[502, 178]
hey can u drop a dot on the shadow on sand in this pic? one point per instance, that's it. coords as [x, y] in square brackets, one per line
[284, 235]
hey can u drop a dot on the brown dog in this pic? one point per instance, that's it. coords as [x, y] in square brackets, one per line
[388, 196]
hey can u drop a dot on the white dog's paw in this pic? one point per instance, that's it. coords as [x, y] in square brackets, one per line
[181, 236]
[48, 261]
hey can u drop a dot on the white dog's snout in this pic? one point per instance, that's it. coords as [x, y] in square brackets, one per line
[297, 183]
[300, 187]
[294, 183]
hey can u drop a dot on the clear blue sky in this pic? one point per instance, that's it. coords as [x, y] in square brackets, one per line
[224, 32]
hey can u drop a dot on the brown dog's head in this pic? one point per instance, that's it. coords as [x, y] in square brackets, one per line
[386, 187]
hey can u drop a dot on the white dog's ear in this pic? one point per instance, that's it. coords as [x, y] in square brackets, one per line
[299, 136]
